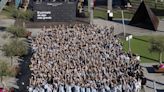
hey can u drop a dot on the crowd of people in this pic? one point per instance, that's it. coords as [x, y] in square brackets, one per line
[82, 58]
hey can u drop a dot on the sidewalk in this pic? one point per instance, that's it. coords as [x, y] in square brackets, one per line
[150, 75]
[6, 22]
[118, 27]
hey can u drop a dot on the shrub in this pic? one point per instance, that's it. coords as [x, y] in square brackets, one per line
[27, 14]
[23, 15]
[19, 14]
[17, 31]
[6, 70]
[4, 36]
[15, 48]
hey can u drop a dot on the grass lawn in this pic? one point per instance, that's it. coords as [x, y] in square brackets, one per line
[140, 45]
[102, 13]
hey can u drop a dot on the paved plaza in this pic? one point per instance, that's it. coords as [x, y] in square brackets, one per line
[150, 75]
[148, 71]
[130, 29]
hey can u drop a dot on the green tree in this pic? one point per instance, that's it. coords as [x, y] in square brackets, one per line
[6, 71]
[23, 15]
[157, 45]
[17, 31]
[9, 52]
[13, 12]
[15, 48]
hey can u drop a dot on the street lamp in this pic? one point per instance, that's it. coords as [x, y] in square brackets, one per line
[128, 38]
[90, 9]
[123, 22]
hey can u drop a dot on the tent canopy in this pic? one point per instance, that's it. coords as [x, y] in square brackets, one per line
[145, 18]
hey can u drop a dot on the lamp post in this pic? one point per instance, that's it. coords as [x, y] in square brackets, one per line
[128, 38]
[91, 13]
[123, 22]
[90, 9]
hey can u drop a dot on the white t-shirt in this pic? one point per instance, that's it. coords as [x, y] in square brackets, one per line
[30, 89]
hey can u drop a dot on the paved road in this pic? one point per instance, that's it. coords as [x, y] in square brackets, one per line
[130, 29]
[6, 22]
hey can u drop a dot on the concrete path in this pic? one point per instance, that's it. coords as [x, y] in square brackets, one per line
[24, 74]
[6, 22]
[150, 75]
[130, 29]
[34, 31]
[118, 28]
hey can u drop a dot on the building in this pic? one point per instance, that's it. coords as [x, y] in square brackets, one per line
[53, 10]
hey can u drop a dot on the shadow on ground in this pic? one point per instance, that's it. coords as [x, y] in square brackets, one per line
[2, 29]
[160, 83]
[140, 39]
[150, 69]
[120, 21]
[160, 90]
[157, 90]
[149, 58]
[25, 73]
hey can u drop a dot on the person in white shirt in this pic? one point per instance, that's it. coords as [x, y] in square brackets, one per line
[30, 89]
[61, 89]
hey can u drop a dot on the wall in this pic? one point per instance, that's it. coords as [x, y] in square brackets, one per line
[54, 11]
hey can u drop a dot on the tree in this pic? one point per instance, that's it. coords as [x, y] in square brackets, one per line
[18, 13]
[157, 45]
[3, 70]
[6, 71]
[9, 51]
[15, 48]
[17, 31]
[23, 15]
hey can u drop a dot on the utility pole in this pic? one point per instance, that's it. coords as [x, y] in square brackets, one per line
[109, 5]
[90, 9]
[123, 22]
